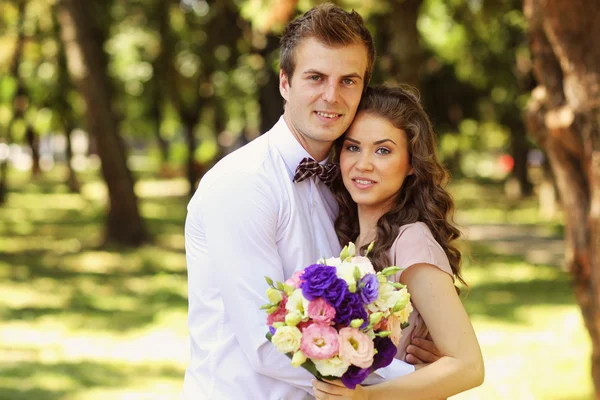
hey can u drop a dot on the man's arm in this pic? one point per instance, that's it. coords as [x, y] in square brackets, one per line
[240, 218]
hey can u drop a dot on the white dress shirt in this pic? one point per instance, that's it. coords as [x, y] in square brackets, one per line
[248, 220]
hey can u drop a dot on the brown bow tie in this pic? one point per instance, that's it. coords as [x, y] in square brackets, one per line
[309, 167]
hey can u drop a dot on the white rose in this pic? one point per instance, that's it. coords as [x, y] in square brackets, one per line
[331, 367]
[287, 339]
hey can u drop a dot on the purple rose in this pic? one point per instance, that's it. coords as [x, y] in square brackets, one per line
[272, 330]
[316, 280]
[336, 292]
[369, 288]
[351, 307]
[385, 352]
[355, 376]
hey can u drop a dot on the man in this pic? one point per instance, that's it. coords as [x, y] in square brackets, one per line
[249, 219]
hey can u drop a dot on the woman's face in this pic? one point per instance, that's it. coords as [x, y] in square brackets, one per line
[374, 162]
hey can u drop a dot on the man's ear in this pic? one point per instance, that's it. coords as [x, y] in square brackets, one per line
[284, 85]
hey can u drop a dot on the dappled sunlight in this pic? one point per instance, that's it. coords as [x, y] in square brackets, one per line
[88, 380]
[173, 241]
[37, 293]
[101, 262]
[148, 188]
[478, 203]
[83, 322]
[52, 201]
[95, 191]
[535, 360]
[16, 244]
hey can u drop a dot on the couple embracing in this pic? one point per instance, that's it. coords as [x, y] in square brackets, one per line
[346, 162]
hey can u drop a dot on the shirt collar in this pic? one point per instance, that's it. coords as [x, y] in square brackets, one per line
[291, 151]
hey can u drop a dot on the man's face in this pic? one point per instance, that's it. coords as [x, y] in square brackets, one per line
[323, 94]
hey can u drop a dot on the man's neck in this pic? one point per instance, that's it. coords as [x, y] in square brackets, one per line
[317, 150]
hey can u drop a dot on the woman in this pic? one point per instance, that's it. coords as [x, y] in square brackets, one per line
[392, 192]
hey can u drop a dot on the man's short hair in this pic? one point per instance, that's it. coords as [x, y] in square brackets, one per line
[331, 26]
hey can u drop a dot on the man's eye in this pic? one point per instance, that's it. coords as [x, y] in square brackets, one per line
[348, 81]
[314, 77]
[383, 151]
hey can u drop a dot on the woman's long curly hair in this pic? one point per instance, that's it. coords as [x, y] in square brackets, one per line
[422, 196]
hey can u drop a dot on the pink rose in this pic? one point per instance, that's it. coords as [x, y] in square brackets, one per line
[279, 315]
[319, 342]
[295, 280]
[320, 311]
[356, 348]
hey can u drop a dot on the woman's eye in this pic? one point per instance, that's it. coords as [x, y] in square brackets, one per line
[352, 148]
[382, 150]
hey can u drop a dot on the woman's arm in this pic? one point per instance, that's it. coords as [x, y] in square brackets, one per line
[461, 366]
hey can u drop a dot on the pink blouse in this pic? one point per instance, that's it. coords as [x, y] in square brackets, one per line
[415, 244]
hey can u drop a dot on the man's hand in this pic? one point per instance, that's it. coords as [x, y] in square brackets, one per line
[422, 351]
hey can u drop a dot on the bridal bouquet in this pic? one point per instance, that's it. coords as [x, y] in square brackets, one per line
[338, 318]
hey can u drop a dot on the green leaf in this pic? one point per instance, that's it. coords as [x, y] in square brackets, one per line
[344, 253]
[356, 323]
[357, 273]
[272, 310]
[370, 248]
[390, 270]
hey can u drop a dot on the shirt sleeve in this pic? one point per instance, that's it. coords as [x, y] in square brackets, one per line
[416, 245]
[239, 215]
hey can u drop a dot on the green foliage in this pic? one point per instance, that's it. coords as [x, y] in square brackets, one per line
[477, 73]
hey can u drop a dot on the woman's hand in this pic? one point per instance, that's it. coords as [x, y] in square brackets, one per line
[337, 391]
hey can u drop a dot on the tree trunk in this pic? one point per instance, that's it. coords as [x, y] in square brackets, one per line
[519, 148]
[399, 43]
[19, 102]
[83, 41]
[4, 168]
[156, 114]
[563, 115]
[72, 181]
[270, 100]
[192, 165]
[159, 83]
[63, 107]
[34, 144]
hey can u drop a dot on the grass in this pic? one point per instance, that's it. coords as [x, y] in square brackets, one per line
[82, 322]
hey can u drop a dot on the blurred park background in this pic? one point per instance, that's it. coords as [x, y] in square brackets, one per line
[111, 111]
